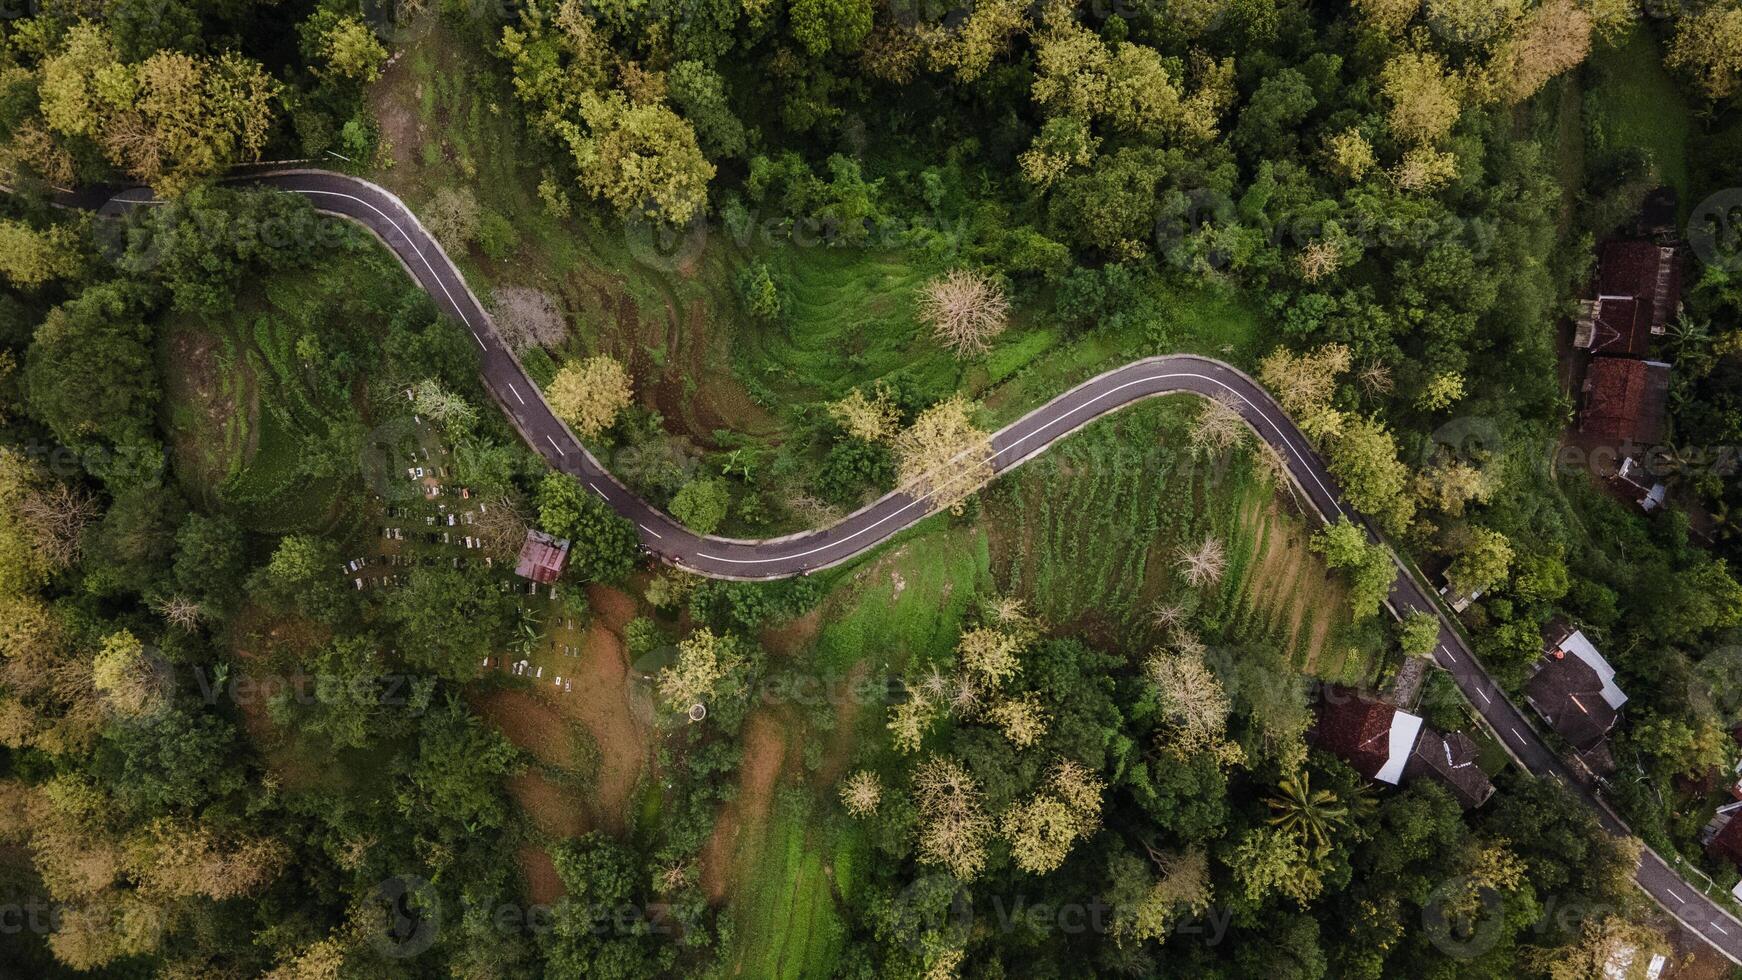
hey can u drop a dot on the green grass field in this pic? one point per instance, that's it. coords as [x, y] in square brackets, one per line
[786, 922]
[1091, 533]
[851, 320]
[257, 426]
[907, 600]
[1637, 104]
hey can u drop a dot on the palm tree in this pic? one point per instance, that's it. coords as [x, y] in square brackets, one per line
[1313, 814]
[736, 460]
[527, 632]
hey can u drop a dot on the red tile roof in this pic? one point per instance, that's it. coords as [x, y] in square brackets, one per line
[1625, 399]
[1568, 694]
[542, 557]
[1356, 729]
[1638, 292]
[1727, 842]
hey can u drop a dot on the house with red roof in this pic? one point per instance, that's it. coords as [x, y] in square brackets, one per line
[1638, 294]
[1392, 746]
[1573, 688]
[1625, 401]
[1722, 835]
[542, 557]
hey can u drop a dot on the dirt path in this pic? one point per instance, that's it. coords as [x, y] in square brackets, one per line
[542, 884]
[602, 702]
[550, 806]
[849, 698]
[744, 818]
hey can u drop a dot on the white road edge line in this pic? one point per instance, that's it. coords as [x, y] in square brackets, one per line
[1280, 432]
[1037, 430]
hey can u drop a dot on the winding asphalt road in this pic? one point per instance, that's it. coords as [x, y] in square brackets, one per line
[388, 218]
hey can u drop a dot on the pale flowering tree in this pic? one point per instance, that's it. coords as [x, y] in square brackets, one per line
[703, 661]
[1205, 564]
[966, 309]
[1043, 829]
[862, 793]
[1196, 706]
[590, 394]
[944, 455]
[1022, 719]
[870, 419]
[953, 824]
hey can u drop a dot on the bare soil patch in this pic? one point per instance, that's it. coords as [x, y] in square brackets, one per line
[601, 701]
[530, 722]
[543, 886]
[269, 647]
[612, 608]
[848, 707]
[793, 637]
[553, 810]
[1288, 584]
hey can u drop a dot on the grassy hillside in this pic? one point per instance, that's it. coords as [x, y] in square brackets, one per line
[257, 418]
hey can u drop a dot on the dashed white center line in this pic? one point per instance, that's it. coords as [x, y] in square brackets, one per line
[1449, 654]
[1485, 698]
[1718, 927]
[480, 340]
[1517, 736]
[595, 487]
[1676, 894]
[553, 445]
[514, 388]
[652, 531]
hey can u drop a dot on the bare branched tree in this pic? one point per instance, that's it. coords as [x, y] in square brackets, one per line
[861, 793]
[672, 877]
[1007, 610]
[967, 694]
[501, 527]
[1205, 565]
[1164, 615]
[55, 517]
[966, 309]
[1319, 259]
[1375, 378]
[1219, 426]
[181, 611]
[528, 318]
[935, 685]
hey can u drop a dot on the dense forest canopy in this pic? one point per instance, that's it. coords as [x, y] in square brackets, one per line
[223, 752]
